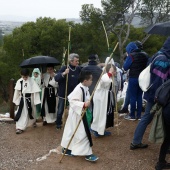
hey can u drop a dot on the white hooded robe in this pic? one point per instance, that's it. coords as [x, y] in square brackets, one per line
[100, 100]
[49, 117]
[80, 144]
[28, 86]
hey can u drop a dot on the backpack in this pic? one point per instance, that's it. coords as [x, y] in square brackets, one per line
[162, 94]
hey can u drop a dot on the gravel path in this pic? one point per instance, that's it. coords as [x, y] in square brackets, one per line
[18, 152]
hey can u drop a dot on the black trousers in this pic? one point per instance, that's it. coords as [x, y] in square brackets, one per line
[166, 143]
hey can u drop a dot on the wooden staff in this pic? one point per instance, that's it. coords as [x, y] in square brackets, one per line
[106, 36]
[115, 96]
[64, 54]
[84, 111]
[65, 102]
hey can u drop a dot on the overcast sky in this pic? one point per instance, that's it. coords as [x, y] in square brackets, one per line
[32, 9]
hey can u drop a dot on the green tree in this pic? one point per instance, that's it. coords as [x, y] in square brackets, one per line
[93, 32]
[155, 11]
[5, 76]
[1, 37]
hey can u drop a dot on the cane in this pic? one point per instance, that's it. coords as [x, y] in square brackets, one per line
[116, 112]
[84, 111]
[65, 102]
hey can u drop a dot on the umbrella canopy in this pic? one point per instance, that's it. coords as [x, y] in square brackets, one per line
[39, 61]
[159, 28]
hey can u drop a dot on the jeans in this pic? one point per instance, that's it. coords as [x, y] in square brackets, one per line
[127, 99]
[143, 123]
[135, 97]
[165, 145]
[60, 111]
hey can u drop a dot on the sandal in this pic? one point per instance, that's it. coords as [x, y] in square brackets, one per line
[19, 131]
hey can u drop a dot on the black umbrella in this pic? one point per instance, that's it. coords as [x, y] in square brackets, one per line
[159, 28]
[39, 61]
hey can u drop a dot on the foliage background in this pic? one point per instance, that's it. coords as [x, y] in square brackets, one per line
[48, 36]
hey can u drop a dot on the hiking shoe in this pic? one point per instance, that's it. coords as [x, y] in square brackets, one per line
[123, 110]
[68, 152]
[160, 165]
[19, 131]
[138, 146]
[168, 151]
[94, 133]
[127, 117]
[44, 123]
[91, 158]
[106, 133]
[58, 127]
[34, 124]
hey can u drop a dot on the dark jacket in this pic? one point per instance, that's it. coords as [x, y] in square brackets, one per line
[136, 60]
[73, 77]
[96, 72]
[160, 70]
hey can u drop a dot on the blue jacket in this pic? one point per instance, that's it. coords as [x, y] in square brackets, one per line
[160, 70]
[136, 60]
[129, 49]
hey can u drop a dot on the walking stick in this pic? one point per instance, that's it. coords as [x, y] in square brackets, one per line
[84, 111]
[106, 36]
[117, 117]
[65, 101]
[64, 54]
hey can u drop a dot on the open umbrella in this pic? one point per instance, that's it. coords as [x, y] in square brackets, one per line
[39, 61]
[159, 28]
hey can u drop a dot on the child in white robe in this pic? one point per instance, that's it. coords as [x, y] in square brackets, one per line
[36, 76]
[81, 144]
[104, 101]
[26, 97]
[49, 99]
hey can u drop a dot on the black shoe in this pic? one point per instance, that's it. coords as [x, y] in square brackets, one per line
[44, 123]
[160, 166]
[58, 127]
[138, 146]
[168, 151]
[123, 111]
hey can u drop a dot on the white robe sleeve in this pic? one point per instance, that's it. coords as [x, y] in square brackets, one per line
[53, 83]
[37, 98]
[16, 97]
[75, 100]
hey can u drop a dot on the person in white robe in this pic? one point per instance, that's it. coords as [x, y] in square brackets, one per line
[36, 76]
[117, 77]
[81, 144]
[49, 98]
[104, 101]
[26, 97]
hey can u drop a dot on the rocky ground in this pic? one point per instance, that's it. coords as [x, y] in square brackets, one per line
[18, 152]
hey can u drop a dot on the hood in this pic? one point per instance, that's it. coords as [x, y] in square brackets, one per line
[131, 47]
[36, 70]
[166, 47]
[110, 62]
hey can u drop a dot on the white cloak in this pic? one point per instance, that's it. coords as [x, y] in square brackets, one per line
[29, 86]
[80, 144]
[100, 100]
[49, 117]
